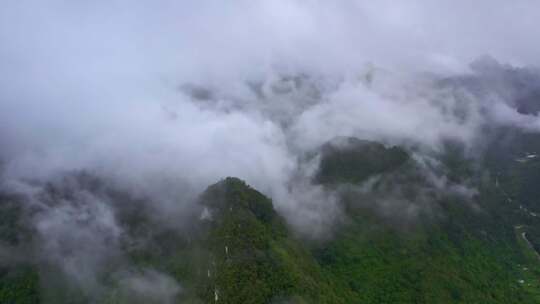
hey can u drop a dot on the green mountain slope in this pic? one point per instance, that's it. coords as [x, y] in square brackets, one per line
[348, 159]
[467, 254]
[250, 256]
[239, 251]
[451, 248]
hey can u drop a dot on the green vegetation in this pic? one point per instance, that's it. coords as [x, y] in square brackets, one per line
[469, 254]
[377, 265]
[19, 285]
[239, 250]
[530, 270]
[468, 258]
[252, 259]
[350, 160]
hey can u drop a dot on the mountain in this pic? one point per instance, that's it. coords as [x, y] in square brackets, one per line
[455, 250]
[413, 232]
[252, 256]
[348, 159]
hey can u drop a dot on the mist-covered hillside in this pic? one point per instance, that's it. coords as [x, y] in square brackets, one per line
[273, 151]
[402, 238]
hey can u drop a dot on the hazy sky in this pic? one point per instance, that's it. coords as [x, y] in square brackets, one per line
[95, 84]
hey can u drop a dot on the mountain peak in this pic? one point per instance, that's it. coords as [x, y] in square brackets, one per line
[232, 194]
[351, 160]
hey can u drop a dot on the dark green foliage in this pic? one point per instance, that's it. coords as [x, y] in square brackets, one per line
[462, 251]
[233, 193]
[12, 232]
[244, 252]
[251, 257]
[468, 257]
[380, 266]
[352, 160]
[469, 254]
[19, 285]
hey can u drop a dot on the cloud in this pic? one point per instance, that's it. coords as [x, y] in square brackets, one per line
[147, 286]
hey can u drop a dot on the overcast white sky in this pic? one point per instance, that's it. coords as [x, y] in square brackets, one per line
[85, 83]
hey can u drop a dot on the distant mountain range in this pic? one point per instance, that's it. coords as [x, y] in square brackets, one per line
[411, 235]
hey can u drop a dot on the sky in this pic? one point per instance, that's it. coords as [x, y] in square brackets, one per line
[77, 72]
